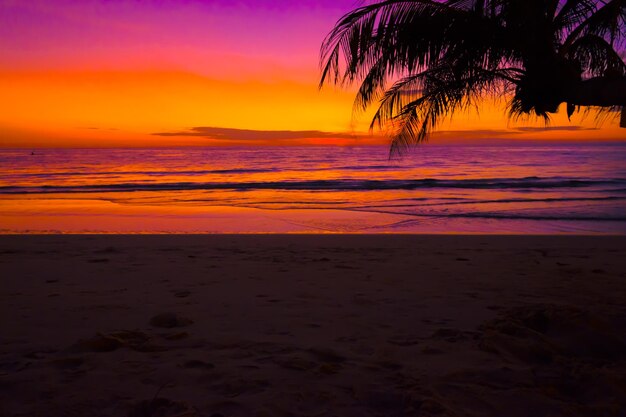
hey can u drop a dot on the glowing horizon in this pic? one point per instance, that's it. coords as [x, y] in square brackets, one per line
[102, 73]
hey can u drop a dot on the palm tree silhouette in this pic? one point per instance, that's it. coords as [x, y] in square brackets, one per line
[422, 60]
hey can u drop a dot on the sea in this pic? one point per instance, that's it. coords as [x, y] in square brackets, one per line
[463, 189]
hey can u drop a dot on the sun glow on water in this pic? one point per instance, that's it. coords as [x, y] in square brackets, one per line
[471, 189]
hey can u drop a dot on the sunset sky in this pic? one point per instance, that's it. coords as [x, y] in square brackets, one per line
[182, 72]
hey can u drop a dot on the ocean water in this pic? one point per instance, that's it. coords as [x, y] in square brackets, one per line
[434, 189]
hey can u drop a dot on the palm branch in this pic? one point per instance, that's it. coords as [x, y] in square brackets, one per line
[423, 60]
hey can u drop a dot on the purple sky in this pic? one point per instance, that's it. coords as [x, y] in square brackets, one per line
[217, 37]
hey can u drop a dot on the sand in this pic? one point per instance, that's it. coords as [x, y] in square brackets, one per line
[312, 325]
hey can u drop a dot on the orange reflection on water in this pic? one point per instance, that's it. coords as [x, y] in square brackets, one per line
[325, 189]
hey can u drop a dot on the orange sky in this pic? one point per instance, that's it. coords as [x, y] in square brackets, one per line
[95, 73]
[97, 108]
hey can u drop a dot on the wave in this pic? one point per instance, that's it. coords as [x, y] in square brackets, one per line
[192, 173]
[146, 173]
[509, 216]
[528, 183]
[464, 201]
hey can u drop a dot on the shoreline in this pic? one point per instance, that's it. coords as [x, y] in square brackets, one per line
[94, 216]
[312, 325]
[315, 233]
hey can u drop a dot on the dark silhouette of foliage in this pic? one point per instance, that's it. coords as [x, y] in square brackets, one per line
[422, 60]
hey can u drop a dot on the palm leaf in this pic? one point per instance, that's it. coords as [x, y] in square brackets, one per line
[443, 56]
[596, 56]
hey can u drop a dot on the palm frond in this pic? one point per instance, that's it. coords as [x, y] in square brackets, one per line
[442, 56]
[607, 21]
[415, 105]
[406, 37]
[596, 56]
[361, 36]
[573, 13]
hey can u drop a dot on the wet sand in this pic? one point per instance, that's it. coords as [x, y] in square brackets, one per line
[312, 325]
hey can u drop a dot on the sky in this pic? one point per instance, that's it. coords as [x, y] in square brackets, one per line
[91, 73]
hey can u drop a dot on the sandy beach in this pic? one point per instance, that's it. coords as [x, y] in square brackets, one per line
[312, 325]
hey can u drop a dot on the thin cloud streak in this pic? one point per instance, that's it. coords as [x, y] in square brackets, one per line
[224, 133]
[281, 137]
[554, 128]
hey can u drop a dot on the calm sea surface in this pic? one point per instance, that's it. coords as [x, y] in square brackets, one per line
[435, 189]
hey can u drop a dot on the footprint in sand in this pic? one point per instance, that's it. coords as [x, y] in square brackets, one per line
[98, 260]
[109, 249]
[197, 364]
[130, 339]
[182, 294]
[169, 320]
[403, 340]
[162, 407]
